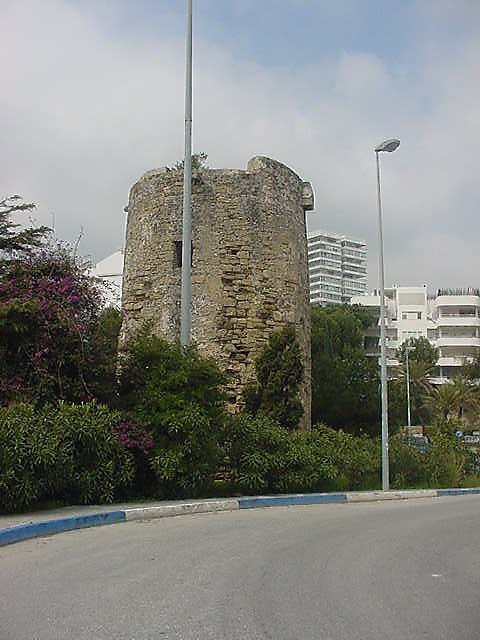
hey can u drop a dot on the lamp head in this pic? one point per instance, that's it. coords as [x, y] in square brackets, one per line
[388, 145]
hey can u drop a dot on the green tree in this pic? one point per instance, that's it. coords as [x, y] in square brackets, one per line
[419, 350]
[467, 397]
[422, 358]
[345, 382]
[441, 402]
[280, 373]
[471, 370]
[13, 239]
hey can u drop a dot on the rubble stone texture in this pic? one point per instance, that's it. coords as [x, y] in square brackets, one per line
[249, 271]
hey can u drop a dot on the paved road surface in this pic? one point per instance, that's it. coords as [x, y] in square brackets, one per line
[398, 571]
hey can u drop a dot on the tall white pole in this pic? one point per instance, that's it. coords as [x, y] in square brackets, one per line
[383, 349]
[409, 422]
[185, 318]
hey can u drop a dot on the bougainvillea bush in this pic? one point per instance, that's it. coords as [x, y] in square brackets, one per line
[49, 312]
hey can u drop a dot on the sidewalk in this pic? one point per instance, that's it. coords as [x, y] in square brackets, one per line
[86, 510]
[15, 528]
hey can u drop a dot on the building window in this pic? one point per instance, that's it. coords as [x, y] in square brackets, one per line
[404, 316]
[419, 315]
[177, 255]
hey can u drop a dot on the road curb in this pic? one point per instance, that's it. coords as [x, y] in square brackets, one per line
[376, 496]
[166, 511]
[21, 532]
[457, 492]
[255, 502]
[49, 527]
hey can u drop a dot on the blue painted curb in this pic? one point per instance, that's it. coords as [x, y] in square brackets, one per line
[456, 492]
[49, 527]
[287, 500]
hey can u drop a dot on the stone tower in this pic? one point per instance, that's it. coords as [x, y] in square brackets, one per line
[249, 263]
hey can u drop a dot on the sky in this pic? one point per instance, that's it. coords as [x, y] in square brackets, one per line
[93, 96]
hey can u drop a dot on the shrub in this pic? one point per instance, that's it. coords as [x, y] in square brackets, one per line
[175, 394]
[408, 468]
[98, 465]
[356, 458]
[139, 442]
[445, 460]
[68, 453]
[265, 457]
[187, 454]
[31, 457]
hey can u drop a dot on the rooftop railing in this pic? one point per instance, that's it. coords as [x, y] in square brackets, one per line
[468, 291]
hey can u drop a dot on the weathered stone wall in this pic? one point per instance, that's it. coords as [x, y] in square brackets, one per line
[249, 273]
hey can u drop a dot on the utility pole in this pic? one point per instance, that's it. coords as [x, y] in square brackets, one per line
[185, 318]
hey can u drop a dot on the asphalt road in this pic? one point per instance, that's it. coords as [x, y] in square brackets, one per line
[392, 570]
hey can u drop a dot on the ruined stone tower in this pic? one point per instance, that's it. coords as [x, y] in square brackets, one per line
[249, 263]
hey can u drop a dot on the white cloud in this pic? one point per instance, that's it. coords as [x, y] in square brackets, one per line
[85, 111]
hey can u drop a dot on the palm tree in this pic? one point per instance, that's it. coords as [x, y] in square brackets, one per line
[458, 399]
[467, 397]
[441, 401]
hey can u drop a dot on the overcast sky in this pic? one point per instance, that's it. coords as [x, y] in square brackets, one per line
[92, 97]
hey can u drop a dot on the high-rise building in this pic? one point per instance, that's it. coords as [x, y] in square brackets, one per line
[337, 267]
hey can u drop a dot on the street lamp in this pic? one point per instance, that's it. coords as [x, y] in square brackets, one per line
[409, 422]
[388, 146]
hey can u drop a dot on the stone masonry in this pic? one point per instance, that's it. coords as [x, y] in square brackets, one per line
[249, 264]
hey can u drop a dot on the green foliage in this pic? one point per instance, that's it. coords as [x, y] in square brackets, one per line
[345, 383]
[265, 457]
[12, 240]
[101, 356]
[407, 465]
[420, 388]
[280, 372]
[356, 458]
[445, 463]
[471, 370]
[176, 395]
[422, 357]
[199, 162]
[458, 400]
[98, 465]
[69, 453]
[49, 310]
[419, 350]
[186, 454]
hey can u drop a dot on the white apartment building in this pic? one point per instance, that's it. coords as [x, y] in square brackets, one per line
[450, 320]
[457, 329]
[337, 267]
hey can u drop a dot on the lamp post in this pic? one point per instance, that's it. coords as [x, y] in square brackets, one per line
[388, 146]
[185, 312]
[409, 422]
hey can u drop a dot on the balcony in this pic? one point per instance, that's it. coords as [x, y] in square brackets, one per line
[458, 321]
[455, 341]
[451, 362]
[457, 301]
